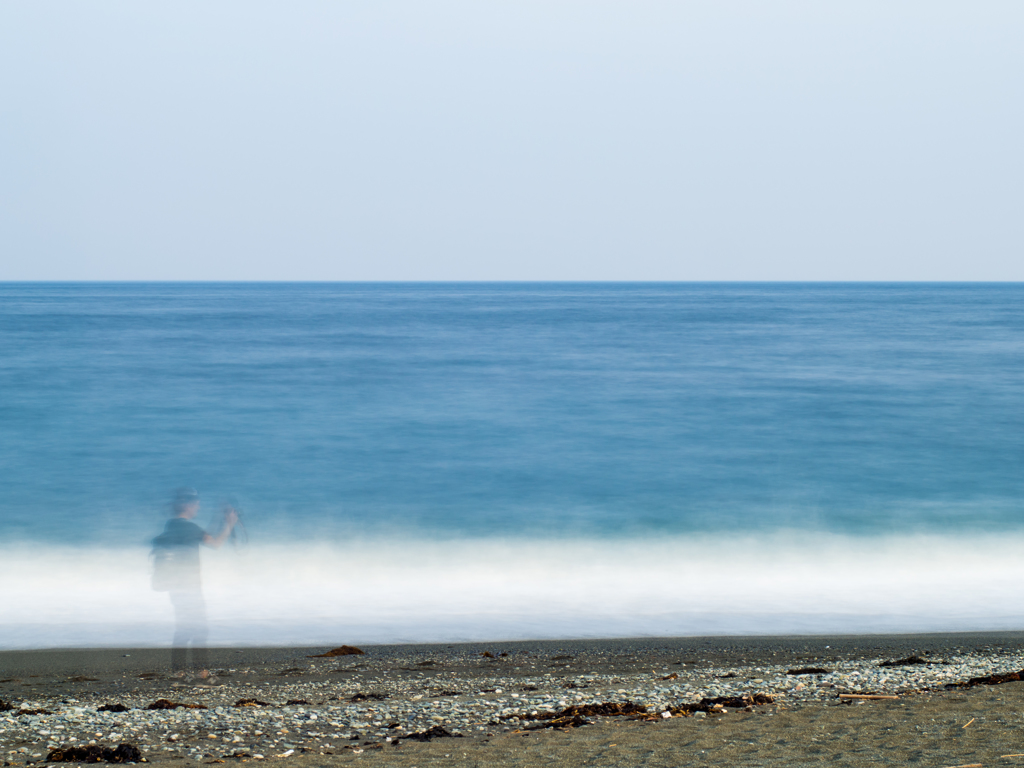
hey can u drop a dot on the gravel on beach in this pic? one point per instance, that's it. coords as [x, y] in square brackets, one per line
[283, 704]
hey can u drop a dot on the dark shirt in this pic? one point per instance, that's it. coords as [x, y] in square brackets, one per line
[180, 532]
[180, 541]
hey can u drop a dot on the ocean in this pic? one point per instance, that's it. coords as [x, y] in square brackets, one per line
[436, 462]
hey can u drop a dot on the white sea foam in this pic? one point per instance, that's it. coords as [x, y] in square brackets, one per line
[376, 591]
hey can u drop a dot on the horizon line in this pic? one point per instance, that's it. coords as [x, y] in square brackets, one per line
[497, 282]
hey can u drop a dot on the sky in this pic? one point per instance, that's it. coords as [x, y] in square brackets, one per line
[511, 140]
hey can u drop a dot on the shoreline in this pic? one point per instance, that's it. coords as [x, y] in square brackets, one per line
[109, 660]
[358, 706]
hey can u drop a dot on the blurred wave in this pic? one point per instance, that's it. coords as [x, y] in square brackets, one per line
[374, 591]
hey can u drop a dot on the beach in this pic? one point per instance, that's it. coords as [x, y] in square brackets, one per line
[717, 700]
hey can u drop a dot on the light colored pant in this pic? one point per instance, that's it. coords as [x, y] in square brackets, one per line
[190, 629]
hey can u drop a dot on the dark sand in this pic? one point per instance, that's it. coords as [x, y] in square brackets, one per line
[114, 666]
[938, 726]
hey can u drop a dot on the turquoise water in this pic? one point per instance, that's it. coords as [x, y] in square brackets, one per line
[480, 410]
[458, 461]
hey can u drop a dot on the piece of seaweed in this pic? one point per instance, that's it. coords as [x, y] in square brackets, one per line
[94, 753]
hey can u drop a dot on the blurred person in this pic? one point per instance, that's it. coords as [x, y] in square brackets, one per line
[239, 536]
[176, 571]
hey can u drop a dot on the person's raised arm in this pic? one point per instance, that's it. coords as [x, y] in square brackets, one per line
[230, 518]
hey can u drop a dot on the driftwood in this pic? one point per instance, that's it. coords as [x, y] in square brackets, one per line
[809, 671]
[866, 696]
[112, 708]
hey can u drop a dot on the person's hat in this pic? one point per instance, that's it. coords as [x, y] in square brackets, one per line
[185, 496]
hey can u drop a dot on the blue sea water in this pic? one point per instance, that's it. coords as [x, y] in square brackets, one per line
[548, 413]
[483, 409]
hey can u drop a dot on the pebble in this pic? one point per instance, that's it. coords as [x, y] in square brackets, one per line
[474, 706]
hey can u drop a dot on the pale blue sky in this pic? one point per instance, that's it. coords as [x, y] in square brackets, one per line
[495, 140]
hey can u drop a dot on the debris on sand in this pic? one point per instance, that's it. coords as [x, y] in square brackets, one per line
[434, 732]
[905, 662]
[1008, 677]
[714, 706]
[168, 704]
[575, 721]
[123, 753]
[606, 709]
[737, 702]
[487, 655]
[112, 708]
[251, 703]
[341, 650]
[809, 671]
[298, 702]
[575, 716]
[368, 697]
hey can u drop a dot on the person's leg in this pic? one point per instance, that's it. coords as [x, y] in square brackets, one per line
[190, 629]
[200, 632]
[179, 643]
